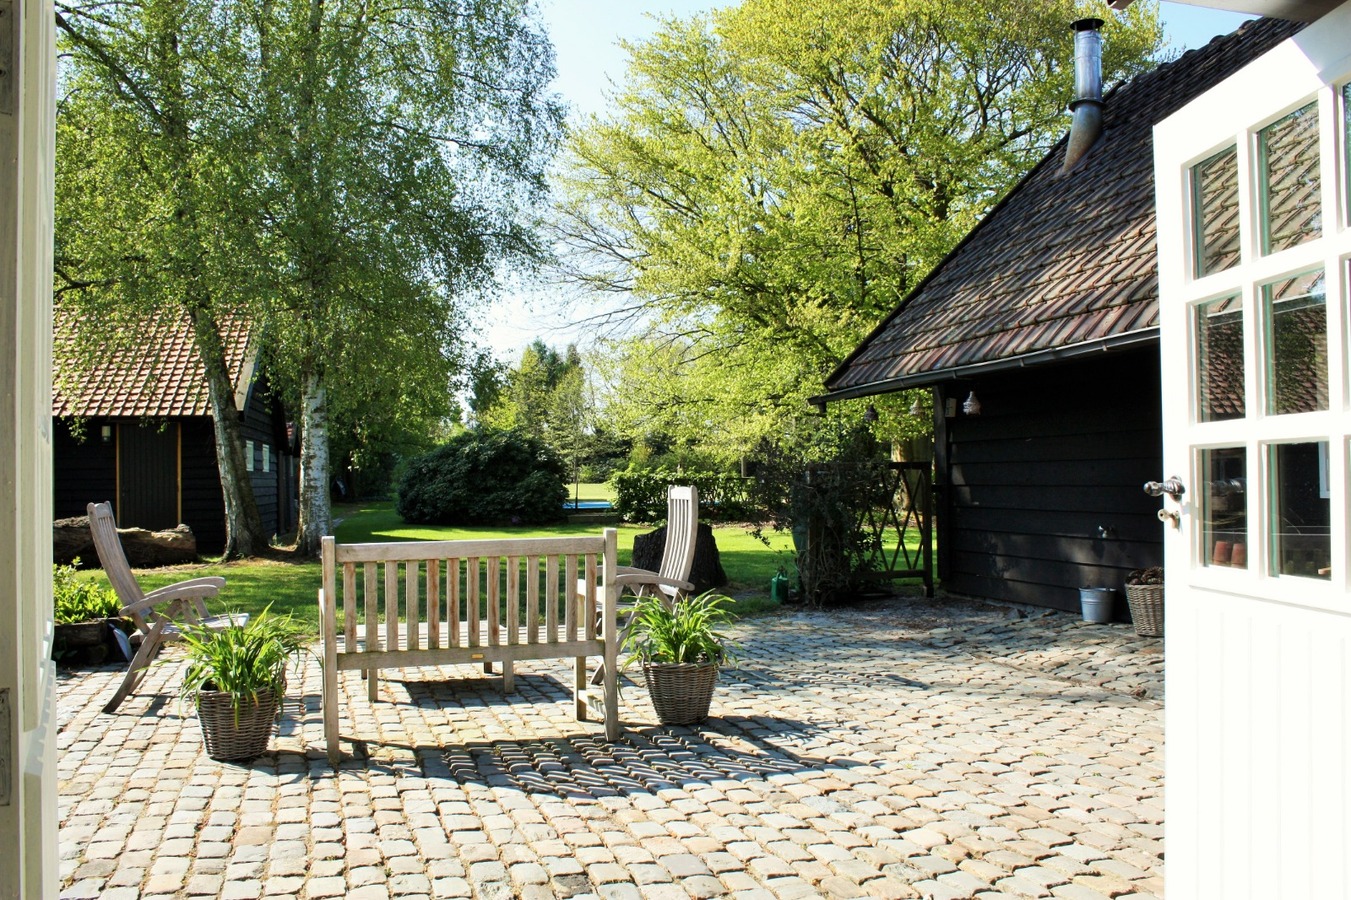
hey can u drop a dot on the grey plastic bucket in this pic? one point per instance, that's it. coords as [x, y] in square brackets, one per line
[1096, 604]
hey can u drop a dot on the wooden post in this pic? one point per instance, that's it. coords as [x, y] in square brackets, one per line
[329, 636]
[611, 651]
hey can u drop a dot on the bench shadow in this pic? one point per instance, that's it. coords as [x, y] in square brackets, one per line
[584, 767]
[580, 765]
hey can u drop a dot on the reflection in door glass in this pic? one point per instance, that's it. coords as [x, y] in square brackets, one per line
[1215, 212]
[1291, 203]
[1219, 359]
[1295, 318]
[1301, 535]
[1224, 497]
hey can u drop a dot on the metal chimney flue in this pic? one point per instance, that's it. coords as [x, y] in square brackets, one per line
[1087, 103]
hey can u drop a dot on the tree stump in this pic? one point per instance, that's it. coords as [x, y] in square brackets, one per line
[144, 549]
[707, 572]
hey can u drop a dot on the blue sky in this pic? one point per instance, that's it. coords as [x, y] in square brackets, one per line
[586, 35]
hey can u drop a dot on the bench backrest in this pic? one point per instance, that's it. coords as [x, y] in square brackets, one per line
[467, 593]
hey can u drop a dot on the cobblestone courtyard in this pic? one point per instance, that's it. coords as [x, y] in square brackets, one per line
[900, 749]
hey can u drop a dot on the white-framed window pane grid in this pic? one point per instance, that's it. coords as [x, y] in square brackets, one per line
[1269, 330]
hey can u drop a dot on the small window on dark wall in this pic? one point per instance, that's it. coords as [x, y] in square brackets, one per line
[1291, 182]
[248, 456]
[1215, 212]
[267, 457]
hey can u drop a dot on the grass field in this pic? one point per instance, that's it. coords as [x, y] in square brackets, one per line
[292, 586]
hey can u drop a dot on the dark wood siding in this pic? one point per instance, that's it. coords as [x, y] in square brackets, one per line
[1043, 488]
[86, 471]
[203, 505]
[83, 471]
[147, 481]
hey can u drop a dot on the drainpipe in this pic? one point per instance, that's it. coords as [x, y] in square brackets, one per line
[1087, 103]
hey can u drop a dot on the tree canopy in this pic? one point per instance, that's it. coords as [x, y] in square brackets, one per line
[773, 178]
[359, 171]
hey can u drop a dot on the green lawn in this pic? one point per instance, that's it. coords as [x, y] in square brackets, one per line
[292, 587]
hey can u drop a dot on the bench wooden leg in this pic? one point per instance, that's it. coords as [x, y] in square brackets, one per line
[508, 676]
[611, 700]
[579, 687]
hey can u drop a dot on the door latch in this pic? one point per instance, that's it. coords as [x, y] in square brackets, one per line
[1170, 486]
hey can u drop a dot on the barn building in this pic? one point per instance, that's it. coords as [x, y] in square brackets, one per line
[1039, 335]
[141, 435]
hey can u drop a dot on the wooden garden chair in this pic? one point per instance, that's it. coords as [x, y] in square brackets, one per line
[158, 614]
[671, 581]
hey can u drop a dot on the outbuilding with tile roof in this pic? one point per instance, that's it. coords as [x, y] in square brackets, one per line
[139, 433]
[1045, 317]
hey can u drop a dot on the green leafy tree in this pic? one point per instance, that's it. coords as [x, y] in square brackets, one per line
[406, 142]
[346, 174]
[144, 194]
[773, 178]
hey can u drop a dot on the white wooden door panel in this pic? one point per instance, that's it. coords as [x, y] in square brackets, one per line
[1258, 619]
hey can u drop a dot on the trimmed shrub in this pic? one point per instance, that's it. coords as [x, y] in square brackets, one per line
[640, 494]
[485, 477]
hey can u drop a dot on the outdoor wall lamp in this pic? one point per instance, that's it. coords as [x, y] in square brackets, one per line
[870, 414]
[917, 408]
[971, 406]
[106, 432]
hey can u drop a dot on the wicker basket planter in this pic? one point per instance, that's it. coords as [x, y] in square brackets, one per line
[681, 692]
[1146, 603]
[237, 738]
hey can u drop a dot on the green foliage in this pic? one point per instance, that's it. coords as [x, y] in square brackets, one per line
[687, 631]
[640, 494]
[349, 177]
[77, 599]
[485, 476]
[773, 178]
[243, 661]
[821, 489]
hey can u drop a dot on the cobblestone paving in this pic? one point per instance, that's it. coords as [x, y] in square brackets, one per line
[901, 749]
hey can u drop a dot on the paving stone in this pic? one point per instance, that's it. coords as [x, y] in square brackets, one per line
[1028, 760]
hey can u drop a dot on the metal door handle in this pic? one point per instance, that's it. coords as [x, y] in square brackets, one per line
[1170, 486]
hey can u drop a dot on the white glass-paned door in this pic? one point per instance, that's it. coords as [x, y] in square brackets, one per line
[1254, 265]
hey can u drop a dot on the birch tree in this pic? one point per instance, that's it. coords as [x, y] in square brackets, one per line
[144, 196]
[347, 174]
[404, 144]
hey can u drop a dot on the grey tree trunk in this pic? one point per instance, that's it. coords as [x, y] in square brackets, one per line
[316, 512]
[244, 533]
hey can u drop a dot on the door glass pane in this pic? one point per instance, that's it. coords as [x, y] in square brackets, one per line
[1224, 513]
[1301, 535]
[1294, 315]
[1346, 139]
[1215, 212]
[1288, 162]
[1219, 359]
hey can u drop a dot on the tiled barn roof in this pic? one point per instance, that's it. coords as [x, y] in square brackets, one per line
[167, 379]
[1064, 259]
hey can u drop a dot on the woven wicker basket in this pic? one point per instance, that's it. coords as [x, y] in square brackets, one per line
[232, 738]
[1146, 603]
[681, 692]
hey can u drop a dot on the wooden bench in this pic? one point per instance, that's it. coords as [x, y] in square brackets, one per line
[436, 603]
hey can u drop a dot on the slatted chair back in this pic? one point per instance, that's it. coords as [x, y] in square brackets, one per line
[682, 532]
[113, 558]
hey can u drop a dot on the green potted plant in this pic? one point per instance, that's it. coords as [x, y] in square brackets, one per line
[680, 647]
[236, 678]
[82, 611]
